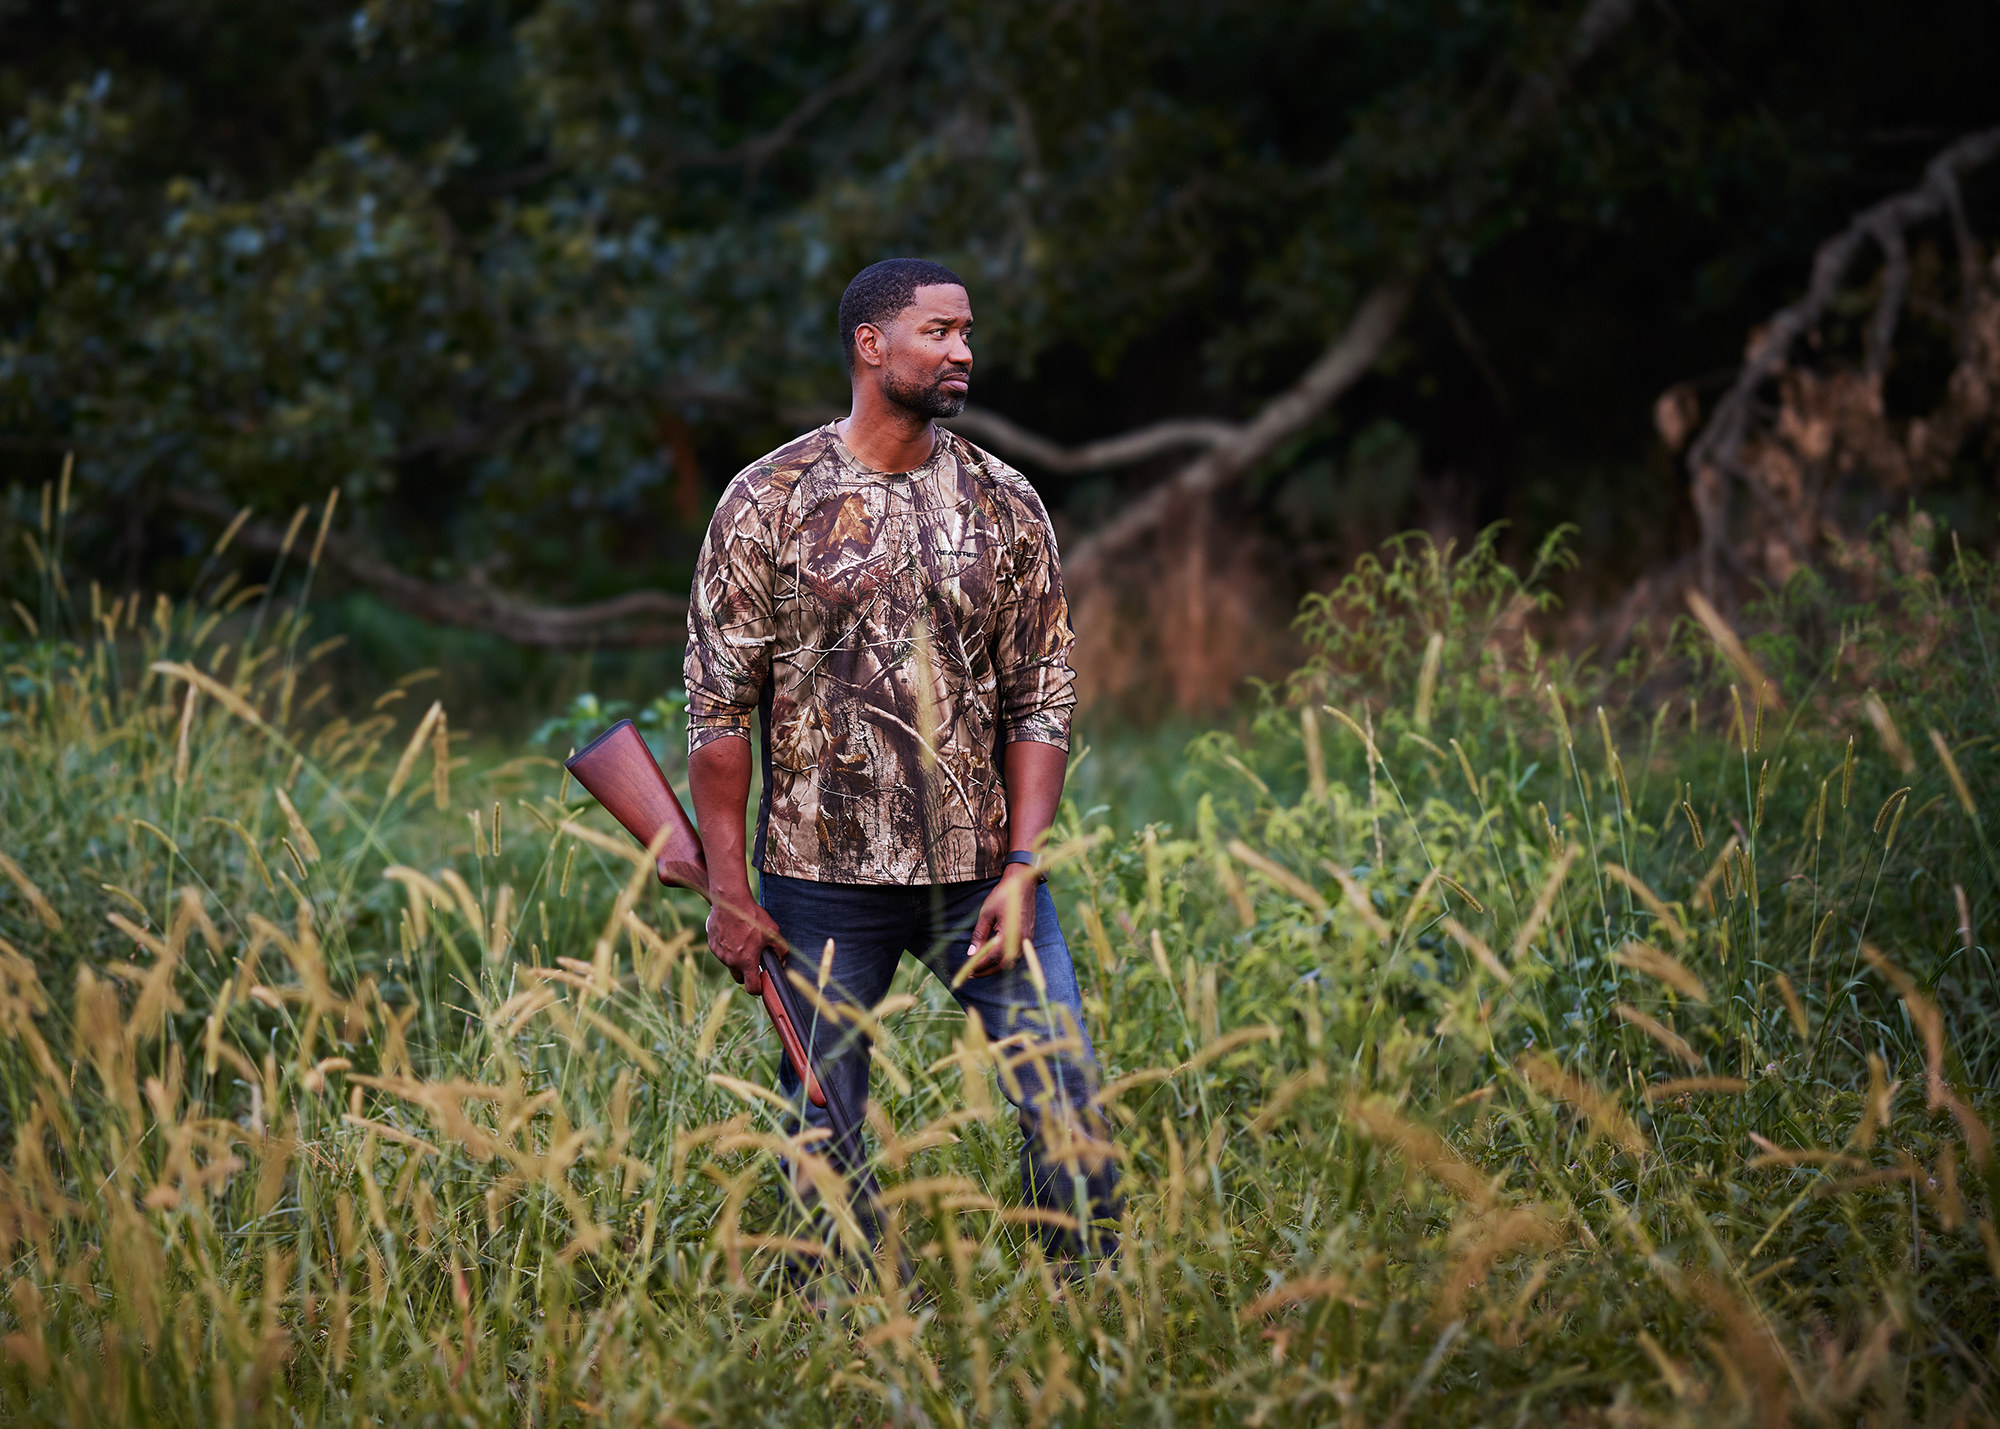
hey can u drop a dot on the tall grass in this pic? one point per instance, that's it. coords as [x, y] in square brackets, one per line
[1492, 1045]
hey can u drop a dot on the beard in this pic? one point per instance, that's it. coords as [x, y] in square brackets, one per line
[925, 398]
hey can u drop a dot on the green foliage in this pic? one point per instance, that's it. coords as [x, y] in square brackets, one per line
[1375, 628]
[663, 721]
[526, 280]
[1612, 1071]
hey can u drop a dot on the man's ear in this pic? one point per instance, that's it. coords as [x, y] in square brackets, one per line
[869, 345]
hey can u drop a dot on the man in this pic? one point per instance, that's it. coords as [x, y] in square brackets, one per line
[884, 598]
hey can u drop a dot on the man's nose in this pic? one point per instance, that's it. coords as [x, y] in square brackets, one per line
[960, 350]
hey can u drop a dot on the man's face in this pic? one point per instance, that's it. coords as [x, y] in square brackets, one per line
[926, 352]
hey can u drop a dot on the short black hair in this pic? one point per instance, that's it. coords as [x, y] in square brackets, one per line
[881, 290]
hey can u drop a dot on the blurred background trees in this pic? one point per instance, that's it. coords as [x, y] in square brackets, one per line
[527, 282]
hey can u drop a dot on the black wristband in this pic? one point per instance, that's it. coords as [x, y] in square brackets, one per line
[1033, 860]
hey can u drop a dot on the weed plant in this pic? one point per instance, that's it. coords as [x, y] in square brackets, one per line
[1494, 1045]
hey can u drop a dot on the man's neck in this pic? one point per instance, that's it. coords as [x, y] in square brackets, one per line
[886, 437]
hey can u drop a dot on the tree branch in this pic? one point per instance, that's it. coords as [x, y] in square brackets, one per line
[474, 437]
[637, 618]
[1715, 454]
[1012, 440]
[1230, 449]
[754, 151]
[1343, 364]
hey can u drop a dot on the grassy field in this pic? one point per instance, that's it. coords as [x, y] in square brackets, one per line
[1495, 1040]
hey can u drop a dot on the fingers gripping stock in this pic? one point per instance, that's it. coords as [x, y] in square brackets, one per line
[622, 775]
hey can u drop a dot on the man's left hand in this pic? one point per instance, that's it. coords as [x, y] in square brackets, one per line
[1005, 919]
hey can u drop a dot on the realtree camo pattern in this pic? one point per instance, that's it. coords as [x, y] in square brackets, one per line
[902, 629]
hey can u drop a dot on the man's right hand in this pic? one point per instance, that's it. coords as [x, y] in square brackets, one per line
[738, 933]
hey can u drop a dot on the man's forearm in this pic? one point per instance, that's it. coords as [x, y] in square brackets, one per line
[738, 930]
[1034, 773]
[719, 785]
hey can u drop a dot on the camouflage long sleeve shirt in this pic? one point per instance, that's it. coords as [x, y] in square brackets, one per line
[890, 633]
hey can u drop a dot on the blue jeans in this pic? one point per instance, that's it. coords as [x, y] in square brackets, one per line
[1051, 1076]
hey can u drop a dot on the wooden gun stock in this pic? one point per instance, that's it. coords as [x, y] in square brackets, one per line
[621, 774]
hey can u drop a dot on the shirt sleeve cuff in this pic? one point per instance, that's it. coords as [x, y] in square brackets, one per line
[706, 729]
[1040, 729]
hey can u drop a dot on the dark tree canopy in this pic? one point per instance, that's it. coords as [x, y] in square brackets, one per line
[527, 281]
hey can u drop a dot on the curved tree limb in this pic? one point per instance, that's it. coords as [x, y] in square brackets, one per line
[1338, 368]
[753, 152]
[1228, 450]
[1716, 454]
[1011, 439]
[637, 618]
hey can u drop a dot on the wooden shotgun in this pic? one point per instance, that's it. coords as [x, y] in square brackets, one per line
[622, 775]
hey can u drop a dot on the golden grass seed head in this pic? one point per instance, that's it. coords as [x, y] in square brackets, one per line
[301, 835]
[292, 531]
[1889, 806]
[325, 527]
[181, 751]
[1465, 768]
[441, 762]
[1847, 772]
[1644, 958]
[1958, 784]
[1314, 750]
[1427, 678]
[1793, 1007]
[1895, 822]
[1694, 826]
[418, 738]
[229, 534]
[1878, 714]
[1549, 829]
[1562, 718]
[1462, 891]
